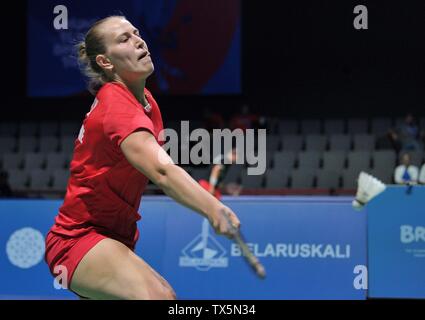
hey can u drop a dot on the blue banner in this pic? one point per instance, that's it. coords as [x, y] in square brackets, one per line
[311, 247]
[193, 51]
[23, 228]
[396, 243]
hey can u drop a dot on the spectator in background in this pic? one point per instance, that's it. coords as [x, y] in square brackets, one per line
[263, 122]
[244, 120]
[212, 120]
[408, 133]
[422, 174]
[422, 137]
[218, 172]
[5, 190]
[389, 141]
[406, 173]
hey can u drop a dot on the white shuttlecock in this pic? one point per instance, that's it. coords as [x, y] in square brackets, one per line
[368, 187]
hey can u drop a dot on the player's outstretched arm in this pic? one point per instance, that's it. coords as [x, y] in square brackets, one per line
[146, 155]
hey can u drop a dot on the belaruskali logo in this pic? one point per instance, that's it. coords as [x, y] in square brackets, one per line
[204, 252]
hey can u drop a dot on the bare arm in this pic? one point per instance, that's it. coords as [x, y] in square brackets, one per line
[146, 155]
[215, 172]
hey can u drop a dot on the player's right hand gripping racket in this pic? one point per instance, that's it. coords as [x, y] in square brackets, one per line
[252, 260]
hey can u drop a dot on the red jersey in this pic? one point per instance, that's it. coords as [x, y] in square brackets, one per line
[104, 190]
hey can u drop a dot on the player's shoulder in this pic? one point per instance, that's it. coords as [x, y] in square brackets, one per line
[116, 98]
[113, 92]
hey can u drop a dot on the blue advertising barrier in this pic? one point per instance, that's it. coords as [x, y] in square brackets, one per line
[396, 243]
[311, 248]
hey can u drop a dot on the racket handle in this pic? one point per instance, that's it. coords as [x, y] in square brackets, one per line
[251, 258]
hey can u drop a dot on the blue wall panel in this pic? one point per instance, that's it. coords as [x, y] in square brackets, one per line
[309, 246]
[396, 243]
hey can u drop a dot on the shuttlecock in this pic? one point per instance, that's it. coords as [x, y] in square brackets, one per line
[368, 187]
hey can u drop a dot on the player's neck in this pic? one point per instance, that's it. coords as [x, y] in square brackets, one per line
[137, 88]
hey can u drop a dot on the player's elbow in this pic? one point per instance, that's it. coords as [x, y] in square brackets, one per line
[160, 179]
[162, 176]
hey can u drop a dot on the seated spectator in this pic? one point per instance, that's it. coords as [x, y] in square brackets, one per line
[408, 133]
[422, 137]
[218, 172]
[244, 120]
[5, 190]
[406, 173]
[422, 175]
[262, 123]
[390, 140]
[233, 188]
[212, 120]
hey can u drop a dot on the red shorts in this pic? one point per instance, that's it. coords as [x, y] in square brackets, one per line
[68, 252]
[206, 185]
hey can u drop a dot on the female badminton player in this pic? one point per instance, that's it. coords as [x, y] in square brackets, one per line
[116, 152]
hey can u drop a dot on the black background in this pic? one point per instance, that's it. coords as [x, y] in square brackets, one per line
[300, 59]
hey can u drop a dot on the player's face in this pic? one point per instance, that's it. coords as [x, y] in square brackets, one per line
[126, 50]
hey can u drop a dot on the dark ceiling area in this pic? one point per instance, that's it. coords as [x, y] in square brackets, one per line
[299, 59]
